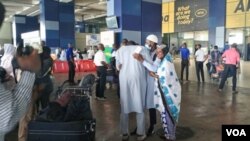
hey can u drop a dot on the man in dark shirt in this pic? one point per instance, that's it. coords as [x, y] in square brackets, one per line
[71, 63]
[44, 76]
[184, 60]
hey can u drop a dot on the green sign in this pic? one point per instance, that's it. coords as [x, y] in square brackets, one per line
[108, 54]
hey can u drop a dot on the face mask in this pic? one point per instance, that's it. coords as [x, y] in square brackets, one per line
[147, 46]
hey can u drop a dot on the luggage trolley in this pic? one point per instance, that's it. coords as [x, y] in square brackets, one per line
[67, 131]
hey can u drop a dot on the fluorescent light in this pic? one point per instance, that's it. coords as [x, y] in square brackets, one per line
[65, 1]
[102, 2]
[34, 13]
[11, 3]
[96, 16]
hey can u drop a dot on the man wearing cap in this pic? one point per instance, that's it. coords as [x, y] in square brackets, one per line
[14, 103]
[232, 58]
[151, 45]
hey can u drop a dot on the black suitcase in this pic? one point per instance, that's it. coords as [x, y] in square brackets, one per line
[63, 131]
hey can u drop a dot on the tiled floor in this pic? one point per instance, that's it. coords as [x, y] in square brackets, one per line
[203, 111]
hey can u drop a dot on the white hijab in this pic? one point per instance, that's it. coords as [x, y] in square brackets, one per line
[63, 56]
[9, 53]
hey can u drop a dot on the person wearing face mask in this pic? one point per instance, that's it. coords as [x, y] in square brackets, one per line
[150, 45]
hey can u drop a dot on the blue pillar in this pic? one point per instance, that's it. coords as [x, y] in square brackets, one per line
[22, 24]
[151, 19]
[137, 18]
[57, 23]
[217, 18]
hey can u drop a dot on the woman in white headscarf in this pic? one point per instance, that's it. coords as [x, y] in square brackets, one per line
[9, 53]
[63, 55]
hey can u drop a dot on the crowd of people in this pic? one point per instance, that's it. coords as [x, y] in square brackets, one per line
[220, 64]
[78, 54]
[152, 83]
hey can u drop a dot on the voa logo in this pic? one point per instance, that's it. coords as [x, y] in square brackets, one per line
[236, 132]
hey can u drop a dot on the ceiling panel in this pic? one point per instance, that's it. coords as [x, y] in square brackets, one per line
[87, 8]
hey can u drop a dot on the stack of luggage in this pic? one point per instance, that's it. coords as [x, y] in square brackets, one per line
[68, 118]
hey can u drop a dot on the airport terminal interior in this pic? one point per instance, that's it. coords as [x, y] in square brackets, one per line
[130, 70]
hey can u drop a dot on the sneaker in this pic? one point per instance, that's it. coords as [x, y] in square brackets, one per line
[219, 90]
[141, 137]
[164, 138]
[125, 137]
[235, 92]
[150, 131]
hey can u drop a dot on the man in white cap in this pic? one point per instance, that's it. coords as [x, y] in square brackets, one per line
[150, 45]
[132, 88]
[151, 41]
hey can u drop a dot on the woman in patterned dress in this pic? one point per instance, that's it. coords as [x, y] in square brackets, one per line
[167, 91]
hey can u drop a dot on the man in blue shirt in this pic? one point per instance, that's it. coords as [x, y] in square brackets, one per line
[71, 63]
[184, 60]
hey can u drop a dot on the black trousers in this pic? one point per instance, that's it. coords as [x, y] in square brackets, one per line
[71, 71]
[184, 65]
[152, 116]
[100, 86]
[44, 94]
[200, 71]
[227, 70]
[116, 78]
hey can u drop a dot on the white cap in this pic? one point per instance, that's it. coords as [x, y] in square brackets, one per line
[152, 38]
[37, 47]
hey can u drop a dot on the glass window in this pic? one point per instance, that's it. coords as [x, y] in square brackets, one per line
[236, 36]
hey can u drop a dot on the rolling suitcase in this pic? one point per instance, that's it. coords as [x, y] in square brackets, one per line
[63, 131]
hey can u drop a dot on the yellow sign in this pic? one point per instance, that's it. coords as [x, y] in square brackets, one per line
[168, 17]
[238, 13]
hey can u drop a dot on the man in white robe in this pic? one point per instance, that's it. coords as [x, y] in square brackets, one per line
[151, 45]
[132, 88]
